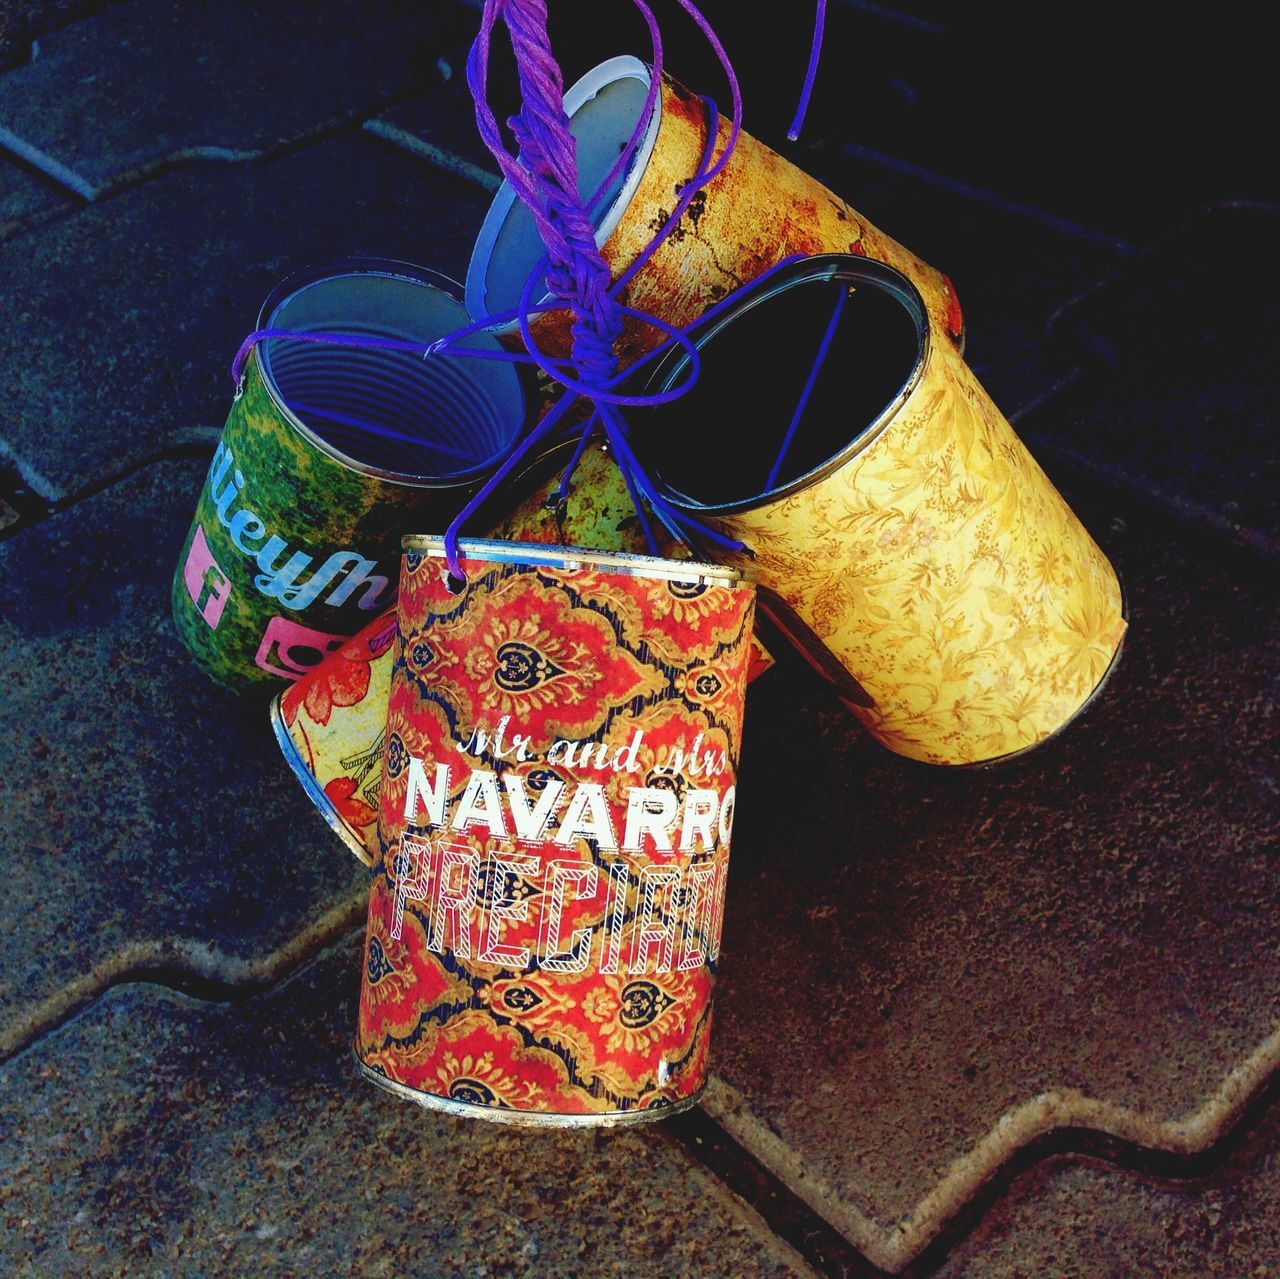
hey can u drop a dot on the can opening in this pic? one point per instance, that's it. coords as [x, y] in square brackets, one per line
[393, 413]
[604, 108]
[806, 367]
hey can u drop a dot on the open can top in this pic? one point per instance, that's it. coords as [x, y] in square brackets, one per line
[572, 557]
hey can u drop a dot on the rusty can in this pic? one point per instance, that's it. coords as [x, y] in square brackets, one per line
[901, 533]
[759, 210]
[330, 723]
[562, 741]
[328, 452]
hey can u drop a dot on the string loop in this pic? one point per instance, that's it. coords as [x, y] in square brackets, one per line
[543, 174]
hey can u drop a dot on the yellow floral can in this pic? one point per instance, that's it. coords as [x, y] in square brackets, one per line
[759, 210]
[900, 532]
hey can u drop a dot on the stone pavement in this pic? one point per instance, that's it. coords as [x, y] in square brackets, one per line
[980, 1024]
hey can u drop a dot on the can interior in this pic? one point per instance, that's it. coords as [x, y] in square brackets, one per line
[394, 413]
[604, 108]
[755, 365]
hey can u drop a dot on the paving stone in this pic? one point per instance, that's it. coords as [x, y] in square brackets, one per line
[23, 22]
[129, 312]
[156, 82]
[924, 969]
[25, 199]
[150, 821]
[1179, 389]
[1085, 1219]
[237, 1141]
[1011, 272]
[1044, 110]
[439, 123]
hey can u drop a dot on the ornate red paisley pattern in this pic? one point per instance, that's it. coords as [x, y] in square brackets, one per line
[558, 973]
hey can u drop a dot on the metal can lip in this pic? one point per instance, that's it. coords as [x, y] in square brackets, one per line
[572, 557]
[315, 272]
[579, 95]
[314, 791]
[394, 269]
[522, 1118]
[823, 267]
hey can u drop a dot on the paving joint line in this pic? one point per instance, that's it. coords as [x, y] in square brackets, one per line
[910, 20]
[189, 968]
[1184, 511]
[439, 157]
[1181, 1169]
[46, 166]
[70, 183]
[1035, 1119]
[41, 500]
[787, 1215]
[979, 195]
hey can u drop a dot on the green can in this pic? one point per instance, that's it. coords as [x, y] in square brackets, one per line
[330, 452]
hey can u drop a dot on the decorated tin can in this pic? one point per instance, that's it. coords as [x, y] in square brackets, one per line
[557, 803]
[759, 210]
[328, 452]
[899, 530]
[331, 723]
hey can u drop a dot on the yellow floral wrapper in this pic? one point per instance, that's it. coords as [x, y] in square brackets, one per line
[931, 569]
[759, 210]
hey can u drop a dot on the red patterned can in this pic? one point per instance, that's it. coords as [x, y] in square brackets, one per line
[557, 798]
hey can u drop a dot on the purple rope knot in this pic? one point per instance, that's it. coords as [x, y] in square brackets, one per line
[576, 272]
[544, 177]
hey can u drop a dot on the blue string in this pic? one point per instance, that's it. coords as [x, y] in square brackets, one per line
[823, 347]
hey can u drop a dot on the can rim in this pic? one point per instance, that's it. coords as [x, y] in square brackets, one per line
[1093, 698]
[522, 1118]
[584, 90]
[311, 785]
[821, 267]
[547, 555]
[389, 268]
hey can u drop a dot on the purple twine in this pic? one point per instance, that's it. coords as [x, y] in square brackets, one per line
[811, 72]
[544, 177]
[810, 382]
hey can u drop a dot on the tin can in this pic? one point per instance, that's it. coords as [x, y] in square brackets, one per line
[327, 454]
[909, 545]
[330, 724]
[759, 210]
[555, 816]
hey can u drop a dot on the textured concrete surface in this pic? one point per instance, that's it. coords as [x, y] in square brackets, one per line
[24, 22]
[980, 1024]
[178, 269]
[158, 1135]
[1085, 936]
[1079, 1218]
[25, 199]
[1177, 389]
[438, 123]
[153, 824]
[175, 82]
